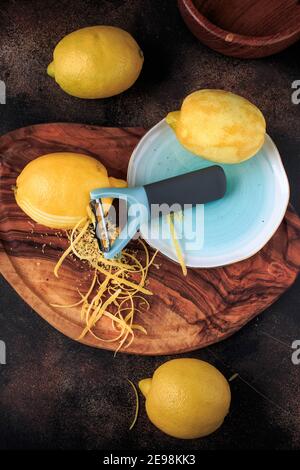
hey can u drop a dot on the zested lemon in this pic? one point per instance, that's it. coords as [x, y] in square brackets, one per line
[54, 189]
[186, 398]
[96, 62]
[219, 126]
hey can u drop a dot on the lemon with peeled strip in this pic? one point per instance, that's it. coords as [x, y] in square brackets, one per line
[54, 189]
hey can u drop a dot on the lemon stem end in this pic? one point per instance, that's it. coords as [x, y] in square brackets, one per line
[144, 386]
[50, 70]
[172, 119]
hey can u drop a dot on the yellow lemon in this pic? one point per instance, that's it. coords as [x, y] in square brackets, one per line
[186, 398]
[54, 189]
[96, 62]
[219, 126]
[117, 182]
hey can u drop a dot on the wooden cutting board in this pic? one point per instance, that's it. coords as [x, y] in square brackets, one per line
[186, 313]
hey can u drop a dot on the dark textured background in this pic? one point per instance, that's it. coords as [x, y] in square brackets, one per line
[56, 393]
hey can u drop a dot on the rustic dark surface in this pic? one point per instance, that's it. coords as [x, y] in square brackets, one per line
[56, 393]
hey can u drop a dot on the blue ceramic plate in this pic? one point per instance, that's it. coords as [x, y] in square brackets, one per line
[224, 231]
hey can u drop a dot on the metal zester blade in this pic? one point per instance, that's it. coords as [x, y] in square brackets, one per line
[101, 225]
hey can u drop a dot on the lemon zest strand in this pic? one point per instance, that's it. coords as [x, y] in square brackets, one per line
[95, 317]
[136, 406]
[126, 282]
[176, 245]
[70, 249]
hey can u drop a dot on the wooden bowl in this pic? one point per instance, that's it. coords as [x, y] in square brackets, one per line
[245, 29]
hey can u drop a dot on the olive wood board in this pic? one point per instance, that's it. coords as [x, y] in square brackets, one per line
[186, 313]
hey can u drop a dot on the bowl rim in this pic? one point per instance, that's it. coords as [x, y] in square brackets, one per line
[215, 262]
[234, 38]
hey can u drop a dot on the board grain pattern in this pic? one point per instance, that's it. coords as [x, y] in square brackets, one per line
[186, 313]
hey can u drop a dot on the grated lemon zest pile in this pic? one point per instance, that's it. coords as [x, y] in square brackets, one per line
[176, 244]
[117, 289]
[136, 406]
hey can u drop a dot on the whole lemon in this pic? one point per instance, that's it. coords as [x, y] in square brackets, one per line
[219, 126]
[186, 398]
[54, 189]
[96, 62]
